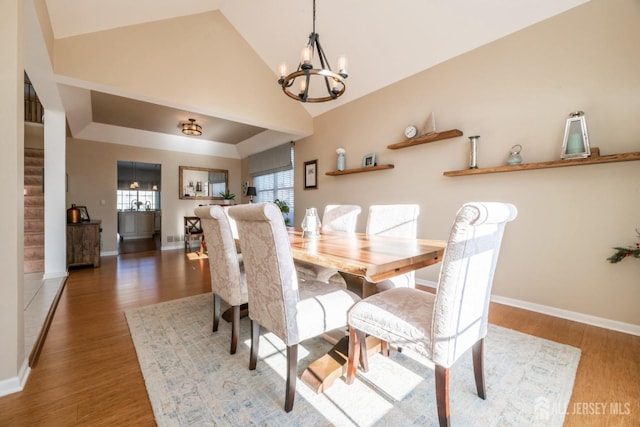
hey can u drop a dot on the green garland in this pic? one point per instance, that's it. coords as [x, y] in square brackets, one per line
[622, 253]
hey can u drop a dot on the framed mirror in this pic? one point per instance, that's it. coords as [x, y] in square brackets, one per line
[202, 183]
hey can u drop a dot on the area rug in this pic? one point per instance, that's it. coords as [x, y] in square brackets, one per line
[192, 380]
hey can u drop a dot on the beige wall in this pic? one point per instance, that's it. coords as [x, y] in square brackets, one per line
[223, 76]
[92, 177]
[517, 90]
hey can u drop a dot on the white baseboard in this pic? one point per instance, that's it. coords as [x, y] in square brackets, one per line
[15, 384]
[55, 275]
[614, 325]
[180, 245]
[109, 253]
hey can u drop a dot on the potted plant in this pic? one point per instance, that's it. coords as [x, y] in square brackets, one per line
[227, 197]
[284, 208]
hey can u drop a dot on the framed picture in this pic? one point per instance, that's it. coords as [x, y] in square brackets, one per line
[84, 213]
[369, 160]
[576, 139]
[311, 174]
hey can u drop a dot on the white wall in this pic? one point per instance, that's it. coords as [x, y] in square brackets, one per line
[517, 90]
[13, 370]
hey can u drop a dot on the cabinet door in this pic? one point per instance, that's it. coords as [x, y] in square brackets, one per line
[127, 223]
[145, 223]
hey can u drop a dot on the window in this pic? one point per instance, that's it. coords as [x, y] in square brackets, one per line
[138, 200]
[276, 185]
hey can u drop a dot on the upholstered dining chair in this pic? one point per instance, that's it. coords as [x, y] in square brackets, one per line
[340, 218]
[335, 218]
[292, 310]
[396, 221]
[225, 265]
[443, 326]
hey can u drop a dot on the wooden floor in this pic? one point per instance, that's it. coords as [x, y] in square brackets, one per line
[88, 373]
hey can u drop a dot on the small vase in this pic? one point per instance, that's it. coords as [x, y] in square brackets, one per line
[473, 154]
[341, 162]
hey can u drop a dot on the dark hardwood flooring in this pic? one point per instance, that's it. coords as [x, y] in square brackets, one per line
[130, 246]
[88, 373]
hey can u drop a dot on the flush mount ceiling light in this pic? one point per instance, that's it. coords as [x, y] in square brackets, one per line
[191, 128]
[333, 86]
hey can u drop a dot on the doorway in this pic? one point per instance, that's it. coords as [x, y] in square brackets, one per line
[139, 205]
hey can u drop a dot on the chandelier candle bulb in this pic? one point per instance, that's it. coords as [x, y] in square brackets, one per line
[283, 70]
[342, 64]
[306, 56]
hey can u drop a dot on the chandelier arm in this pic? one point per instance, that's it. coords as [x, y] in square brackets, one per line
[324, 64]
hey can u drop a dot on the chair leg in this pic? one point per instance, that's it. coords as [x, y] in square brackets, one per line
[216, 311]
[235, 328]
[354, 354]
[292, 376]
[442, 395]
[364, 354]
[478, 368]
[255, 340]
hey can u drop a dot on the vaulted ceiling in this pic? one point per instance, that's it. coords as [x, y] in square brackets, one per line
[384, 42]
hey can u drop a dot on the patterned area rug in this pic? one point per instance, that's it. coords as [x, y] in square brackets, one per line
[192, 380]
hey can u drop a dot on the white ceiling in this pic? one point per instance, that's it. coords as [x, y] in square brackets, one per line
[384, 42]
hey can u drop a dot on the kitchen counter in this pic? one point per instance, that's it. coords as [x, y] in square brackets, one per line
[138, 224]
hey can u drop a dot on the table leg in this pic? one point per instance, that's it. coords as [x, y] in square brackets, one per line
[322, 373]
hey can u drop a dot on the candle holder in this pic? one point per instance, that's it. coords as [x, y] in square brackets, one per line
[473, 153]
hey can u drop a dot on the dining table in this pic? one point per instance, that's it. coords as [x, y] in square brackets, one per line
[372, 259]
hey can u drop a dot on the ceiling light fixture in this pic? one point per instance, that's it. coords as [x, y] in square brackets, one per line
[191, 128]
[333, 82]
[134, 184]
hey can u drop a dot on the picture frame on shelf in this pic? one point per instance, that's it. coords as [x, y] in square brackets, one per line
[311, 174]
[369, 160]
[84, 214]
[576, 139]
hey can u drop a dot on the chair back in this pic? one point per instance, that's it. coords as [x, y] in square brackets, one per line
[227, 277]
[466, 278]
[395, 221]
[340, 218]
[271, 275]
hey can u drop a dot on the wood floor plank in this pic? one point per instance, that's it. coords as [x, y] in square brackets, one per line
[88, 372]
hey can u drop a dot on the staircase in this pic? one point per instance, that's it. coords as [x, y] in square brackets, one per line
[33, 210]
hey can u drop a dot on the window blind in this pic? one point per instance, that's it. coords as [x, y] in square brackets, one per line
[276, 159]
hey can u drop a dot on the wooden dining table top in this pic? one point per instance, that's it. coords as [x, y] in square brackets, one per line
[375, 258]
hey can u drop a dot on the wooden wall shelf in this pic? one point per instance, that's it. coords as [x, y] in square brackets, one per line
[425, 139]
[593, 160]
[359, 170]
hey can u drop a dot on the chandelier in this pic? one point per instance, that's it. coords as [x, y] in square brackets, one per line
[191, 128]
[333, 82]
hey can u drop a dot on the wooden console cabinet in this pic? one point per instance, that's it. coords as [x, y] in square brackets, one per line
[83, 243]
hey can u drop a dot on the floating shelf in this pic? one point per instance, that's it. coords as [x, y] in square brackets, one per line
[359, 170]
[425, 139]
[593, 160]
